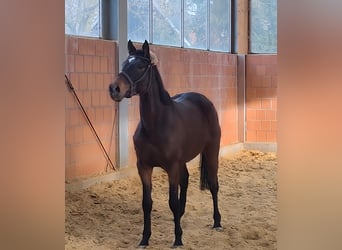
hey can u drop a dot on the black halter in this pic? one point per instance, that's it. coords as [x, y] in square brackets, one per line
[132, 83]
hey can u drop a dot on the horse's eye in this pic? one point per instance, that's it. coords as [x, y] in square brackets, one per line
[141, 67]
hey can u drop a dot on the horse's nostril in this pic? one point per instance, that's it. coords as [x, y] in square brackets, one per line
[117, 89]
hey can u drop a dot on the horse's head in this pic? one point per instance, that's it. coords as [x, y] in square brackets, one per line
[135, 75]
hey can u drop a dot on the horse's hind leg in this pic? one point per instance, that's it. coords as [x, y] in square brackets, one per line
[145, 174]
[183, 189]
[210, 159]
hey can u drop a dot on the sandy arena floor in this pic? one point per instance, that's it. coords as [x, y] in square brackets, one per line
[109, 215]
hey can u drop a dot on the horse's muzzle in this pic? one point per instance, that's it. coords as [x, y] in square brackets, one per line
[115, 92]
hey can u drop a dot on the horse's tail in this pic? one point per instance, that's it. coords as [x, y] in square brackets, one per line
[204, 173]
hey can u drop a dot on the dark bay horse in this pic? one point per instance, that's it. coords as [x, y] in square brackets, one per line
[171, 132]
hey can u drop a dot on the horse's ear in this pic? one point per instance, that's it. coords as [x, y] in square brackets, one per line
[146, 49]
[131, 48]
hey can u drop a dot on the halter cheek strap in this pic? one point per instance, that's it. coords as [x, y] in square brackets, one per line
[132, 83]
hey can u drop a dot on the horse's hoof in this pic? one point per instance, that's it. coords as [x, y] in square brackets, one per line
[177, 246]
[143, 245]
[218, 229]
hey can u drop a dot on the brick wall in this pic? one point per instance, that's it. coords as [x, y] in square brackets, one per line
[210, 73]
[90, 65]
[261, 98]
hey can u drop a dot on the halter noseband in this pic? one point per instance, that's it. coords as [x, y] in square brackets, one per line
[134, 83]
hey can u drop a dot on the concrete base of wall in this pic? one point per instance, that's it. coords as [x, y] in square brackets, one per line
[261, 146]
[129, 172]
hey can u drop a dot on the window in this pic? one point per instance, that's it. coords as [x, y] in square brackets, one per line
[82, 17]
[200, 24]
[167, 22]
[220, 25]
[195, 24]
[263, 26]
[138, 20]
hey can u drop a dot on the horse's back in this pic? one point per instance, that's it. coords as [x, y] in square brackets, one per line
[200, 115]
[191, 101]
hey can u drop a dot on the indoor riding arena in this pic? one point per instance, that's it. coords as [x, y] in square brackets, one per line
[225, 50]
[159, 124]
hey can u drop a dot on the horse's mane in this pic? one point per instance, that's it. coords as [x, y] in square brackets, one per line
[163, 94]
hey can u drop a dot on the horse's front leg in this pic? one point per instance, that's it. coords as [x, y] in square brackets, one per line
[175, 205]
[184, 181]
[145, 174]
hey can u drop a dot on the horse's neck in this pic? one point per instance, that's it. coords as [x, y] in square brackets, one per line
[154, 102]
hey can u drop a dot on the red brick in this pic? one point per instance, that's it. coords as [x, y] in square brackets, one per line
[78, 135]
[261, 136]
[266, 82]
[96, 64]
[255, 81]
[251, 136]
[250, 93]
[253, 59]
[72, 45]
[274, 81]
[79, 64]
[111, 65]
[67, 156]
[271, 115]
[86, 101]
[91, 113]
[69, 135]
[251, 115]
[99, 51]
[74, 117]
[88, 64]
[91, 81]
[268, 59]
[108, 114]
[91, 46]
[266, 103]
[260, 70]
[104, 64]
[107, 79]
[253, 125]
[95, 98]
[83, 81]
[99, 81]
[266, 125]
[271, 136]
[74, 78]
[82, 46]
[254, 103]
[99, 115]
[88, 135]
[70, 63]
[266, 92]
[70, 101]
[274, 103]
[108, 48]
[87, 153]
[261, 115]
[271, 70]
[273, 126]
[104, 98]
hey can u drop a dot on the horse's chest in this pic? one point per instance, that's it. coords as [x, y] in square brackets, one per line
[153, 148]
